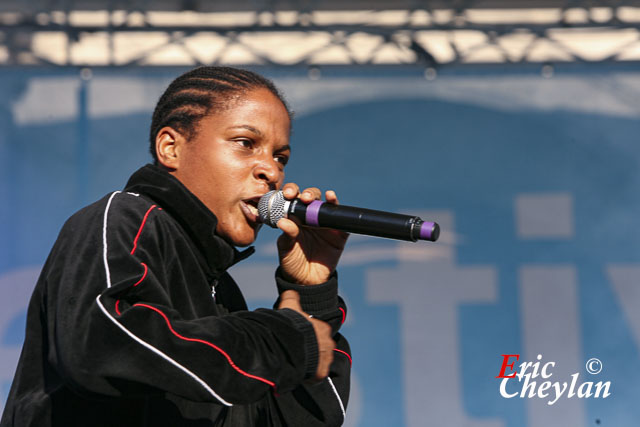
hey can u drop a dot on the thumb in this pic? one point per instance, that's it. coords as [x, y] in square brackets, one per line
[290, 299]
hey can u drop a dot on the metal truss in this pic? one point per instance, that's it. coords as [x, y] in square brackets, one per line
[312, 33]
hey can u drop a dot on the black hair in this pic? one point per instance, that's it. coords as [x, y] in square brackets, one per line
[197, 93]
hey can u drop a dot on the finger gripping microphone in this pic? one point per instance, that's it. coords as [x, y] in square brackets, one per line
[273, 206]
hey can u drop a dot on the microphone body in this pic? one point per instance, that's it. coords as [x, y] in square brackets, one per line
[273, 206]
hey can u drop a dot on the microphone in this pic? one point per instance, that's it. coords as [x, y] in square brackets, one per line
[273, 206]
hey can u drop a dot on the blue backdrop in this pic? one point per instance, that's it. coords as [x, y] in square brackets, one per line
[535, 182]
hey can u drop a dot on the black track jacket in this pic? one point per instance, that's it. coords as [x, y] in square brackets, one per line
[135, 322]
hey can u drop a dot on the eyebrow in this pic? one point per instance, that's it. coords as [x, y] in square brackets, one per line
[249, 128]
[257, 132]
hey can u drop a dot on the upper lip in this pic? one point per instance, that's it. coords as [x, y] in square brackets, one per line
[253, 200]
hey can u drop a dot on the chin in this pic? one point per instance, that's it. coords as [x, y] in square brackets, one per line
[241, 238]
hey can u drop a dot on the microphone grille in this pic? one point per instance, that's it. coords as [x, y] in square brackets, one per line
[271, 208]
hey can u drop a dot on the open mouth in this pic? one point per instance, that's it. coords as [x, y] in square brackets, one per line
[250, 209]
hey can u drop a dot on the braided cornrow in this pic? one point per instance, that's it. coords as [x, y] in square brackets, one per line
[197, 93]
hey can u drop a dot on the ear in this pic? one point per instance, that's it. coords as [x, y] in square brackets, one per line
[169, 144]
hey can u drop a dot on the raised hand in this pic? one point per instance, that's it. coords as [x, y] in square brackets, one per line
[308, 255]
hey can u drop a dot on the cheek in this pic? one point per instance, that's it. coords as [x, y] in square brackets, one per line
[280, 182]
[224, 173]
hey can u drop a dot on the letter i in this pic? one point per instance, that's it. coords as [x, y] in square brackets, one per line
[536, 367]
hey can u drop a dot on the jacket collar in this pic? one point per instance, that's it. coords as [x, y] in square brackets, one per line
[198, 221]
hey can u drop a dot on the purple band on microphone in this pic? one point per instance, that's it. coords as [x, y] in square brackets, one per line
[313, 208]
[425, 230]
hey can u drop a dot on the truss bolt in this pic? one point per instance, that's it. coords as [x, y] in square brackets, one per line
[314, 73]
[430, 73]
[86, 74]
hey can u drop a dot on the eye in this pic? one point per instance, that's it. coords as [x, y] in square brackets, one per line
[245, 143]
[282, 159]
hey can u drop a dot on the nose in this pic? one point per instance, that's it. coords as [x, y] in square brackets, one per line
[268, 171]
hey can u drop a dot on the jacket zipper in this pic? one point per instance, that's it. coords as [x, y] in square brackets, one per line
[214, 283]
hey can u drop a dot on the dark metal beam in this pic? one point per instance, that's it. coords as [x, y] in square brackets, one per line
[35, 6]
[406, 35]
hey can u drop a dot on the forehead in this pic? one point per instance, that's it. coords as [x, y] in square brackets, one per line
[259, 106]
[257, 98]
